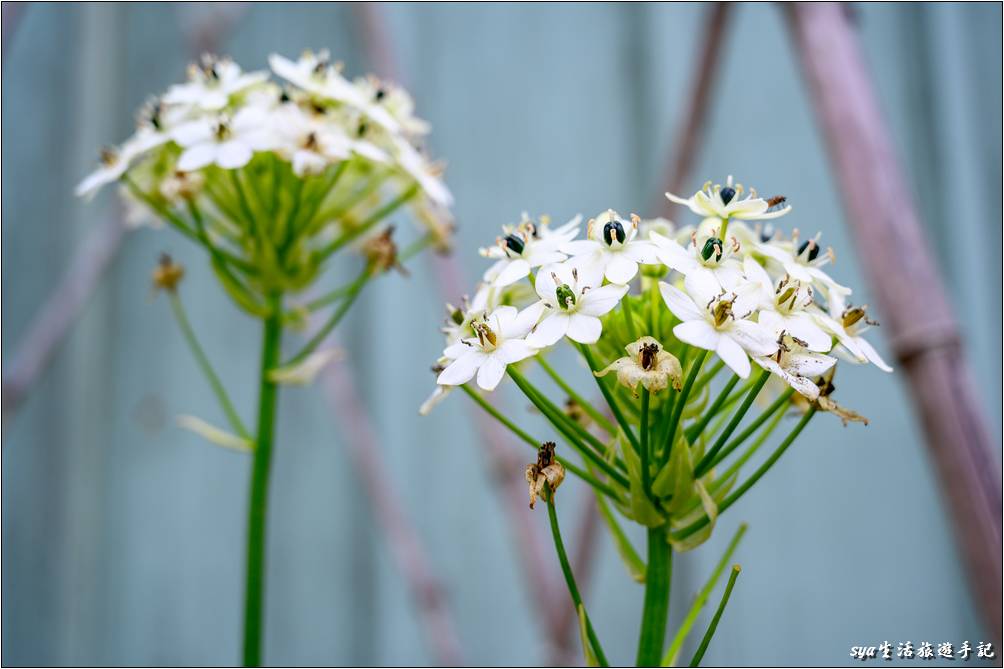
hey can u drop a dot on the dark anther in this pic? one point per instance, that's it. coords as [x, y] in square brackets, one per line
[712, 246]
[727, 194]
[648, 356]
[813, 249]
[613, 230]
[515, 244]
[362, 128]
[380, 94]
[545, 454]
[283, 97]
[766, 233]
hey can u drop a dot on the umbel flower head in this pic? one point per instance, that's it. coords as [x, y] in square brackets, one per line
[692, 341]
[275, 177]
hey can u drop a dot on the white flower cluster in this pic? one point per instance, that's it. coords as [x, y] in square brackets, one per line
[731, 287]
[222, 117]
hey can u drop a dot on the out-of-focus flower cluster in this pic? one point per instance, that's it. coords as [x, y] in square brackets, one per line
[277, 176]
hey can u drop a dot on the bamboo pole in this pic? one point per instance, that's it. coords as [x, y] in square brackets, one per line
[922, 329]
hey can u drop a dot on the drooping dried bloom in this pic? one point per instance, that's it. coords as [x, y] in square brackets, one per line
[547, 470]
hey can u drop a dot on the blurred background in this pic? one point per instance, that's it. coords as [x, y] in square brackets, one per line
[123, 535]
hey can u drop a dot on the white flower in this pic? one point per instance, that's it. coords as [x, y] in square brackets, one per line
[611, 248]
[211, 84]
[115, 162]
[311, 142]
[797, 365]
[710, 259]
[419, 169]
[803, 261]
[847, 323]
[648, 364]
[525, 246]
[719, 324]
[726, 203]
[499, 341]
[785, 308]
[574, 302]
[316, 74]
[229, 143]
[396, 101]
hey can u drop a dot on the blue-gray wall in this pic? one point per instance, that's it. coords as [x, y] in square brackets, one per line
[122, 534]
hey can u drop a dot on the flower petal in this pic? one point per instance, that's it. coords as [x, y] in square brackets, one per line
[514, 350]
[461, 370]
[513, 271]
[621, 268]
[753, 337]
[584, 329]
[698, 333]
[734, 356]
[491, 372]
[680, 303]
[231, 155]
[549, 330]
[872, 354]
[600, 301]
[196, 157]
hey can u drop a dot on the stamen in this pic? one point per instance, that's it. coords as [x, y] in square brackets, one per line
[813, 248]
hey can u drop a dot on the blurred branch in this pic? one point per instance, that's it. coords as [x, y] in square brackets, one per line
[506, 465]
[12, 13]
[364, 448]
[922, 329]
[691, 129]
[59, 312]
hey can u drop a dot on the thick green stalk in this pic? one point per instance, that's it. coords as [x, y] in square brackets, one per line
[203, 361]
[573, 589]
[699, 655]
[669, 659]
[705, 464]
[644, 452]
[656, 608]
[258, 502]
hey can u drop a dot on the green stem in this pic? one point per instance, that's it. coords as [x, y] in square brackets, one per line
[669, 659]
[258, 503]
[608, 396]
[643, 451]
[705, 464]
[741, 490]
[697, 428]
[557, 419]
[566, 569]
[535, 443]
[588, 407]
[699, 655]
[750, 452]
[368, 223]
[350, 297]
[681, 401]
[705, 378]
[656, 608]
[777, 405]
[629, 318]
[206, 366]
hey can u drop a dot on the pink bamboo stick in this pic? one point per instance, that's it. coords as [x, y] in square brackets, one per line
[922, 329]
